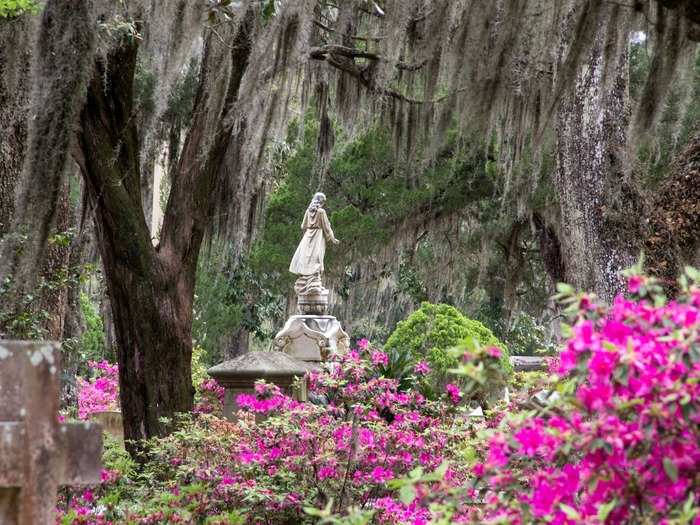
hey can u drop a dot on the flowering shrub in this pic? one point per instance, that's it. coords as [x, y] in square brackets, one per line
[622, 442]
[208, 394]
[100, 393]
[209, 397]
[351, 448]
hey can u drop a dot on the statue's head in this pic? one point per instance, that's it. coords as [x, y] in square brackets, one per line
[317, 202]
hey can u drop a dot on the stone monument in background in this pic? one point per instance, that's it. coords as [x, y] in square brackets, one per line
[312, 334]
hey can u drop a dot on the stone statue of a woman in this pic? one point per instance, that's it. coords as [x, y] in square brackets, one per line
[311, 335]
[307, 262]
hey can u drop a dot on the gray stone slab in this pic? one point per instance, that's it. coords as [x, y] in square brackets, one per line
[528, 363]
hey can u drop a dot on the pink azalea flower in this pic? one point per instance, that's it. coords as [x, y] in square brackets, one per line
[634, 284]
[494, 351]
[326, 472]
[454, 392]
[381, 475]
[380, 358]
[421, 368]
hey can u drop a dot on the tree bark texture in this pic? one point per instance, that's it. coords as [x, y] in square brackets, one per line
[15, 61]
[151, 289]
[599, 205]
[54, 296]
[62, 56]
[17, 37]
[150, 304]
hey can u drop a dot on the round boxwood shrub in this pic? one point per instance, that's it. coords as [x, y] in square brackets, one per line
[429, 332]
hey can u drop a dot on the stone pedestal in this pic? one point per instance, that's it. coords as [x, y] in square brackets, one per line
[314, 303]
[312, 337]
[529, 363]
[238, 376]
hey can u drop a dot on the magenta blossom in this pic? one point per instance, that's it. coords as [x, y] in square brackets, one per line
[101, 393]
[380, 358]
[623, 440]
[454, 392]
[494, 351]
[421, 368]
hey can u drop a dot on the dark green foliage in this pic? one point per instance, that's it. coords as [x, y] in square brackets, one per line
[400, 367]
[216, 315]
[411, 284]
[432, 330]
[12, 8]
[92, 342]
[230, 296]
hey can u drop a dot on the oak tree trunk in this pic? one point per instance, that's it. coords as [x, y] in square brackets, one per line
[151, 302]
[599, 206]
[15, 63]
[151, 289]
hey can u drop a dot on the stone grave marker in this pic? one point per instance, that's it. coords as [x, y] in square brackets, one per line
[37, 453]
[238, 376]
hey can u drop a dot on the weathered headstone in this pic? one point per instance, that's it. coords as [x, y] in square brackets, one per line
[238, 376]
[37, 453]
[111, 422]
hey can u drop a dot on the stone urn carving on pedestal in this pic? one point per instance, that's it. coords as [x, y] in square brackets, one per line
[312, 334]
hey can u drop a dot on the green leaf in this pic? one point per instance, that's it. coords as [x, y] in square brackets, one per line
[565, 289]
[442, 469]
[671, 469]
[407, 494]
[269, 10]
[416, 473]
[570, 512]
[605, 510]
[566, 330]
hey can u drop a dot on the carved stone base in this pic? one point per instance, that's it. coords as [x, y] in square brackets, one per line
[312, 337]
[315, 303]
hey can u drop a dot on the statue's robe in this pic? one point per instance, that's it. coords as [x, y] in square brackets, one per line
[308, 259]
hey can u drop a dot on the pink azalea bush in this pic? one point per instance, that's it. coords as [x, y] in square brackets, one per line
[350, 448]
[99, 393]
[622, 443]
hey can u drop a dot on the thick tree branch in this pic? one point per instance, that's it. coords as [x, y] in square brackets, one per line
[187, 213]
[322, 52]
[108, 157]
[343, 62]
